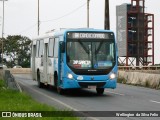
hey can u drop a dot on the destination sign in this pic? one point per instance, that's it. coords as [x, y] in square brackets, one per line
[90, 35]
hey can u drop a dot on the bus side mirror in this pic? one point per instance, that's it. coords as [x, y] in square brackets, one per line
[62, 47]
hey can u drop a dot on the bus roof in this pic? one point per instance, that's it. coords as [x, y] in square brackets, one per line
[63, 31]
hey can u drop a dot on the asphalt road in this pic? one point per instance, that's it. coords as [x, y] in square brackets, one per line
[123, 98]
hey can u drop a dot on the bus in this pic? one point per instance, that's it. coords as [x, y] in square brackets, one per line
[75, 58]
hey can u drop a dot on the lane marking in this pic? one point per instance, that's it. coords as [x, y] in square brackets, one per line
[56, 100]
[115, 93]
[154, 101]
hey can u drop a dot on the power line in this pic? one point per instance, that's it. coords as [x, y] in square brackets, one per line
[28, 28]
[73, 11]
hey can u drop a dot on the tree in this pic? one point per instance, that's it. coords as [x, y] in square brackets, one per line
[18, 49]
[1, 50]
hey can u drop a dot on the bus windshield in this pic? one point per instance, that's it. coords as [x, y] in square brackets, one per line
[90, 54]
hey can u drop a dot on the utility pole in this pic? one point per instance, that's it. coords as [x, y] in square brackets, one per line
[38, 19]
[3, 28]
[88, 13]
[106, 16]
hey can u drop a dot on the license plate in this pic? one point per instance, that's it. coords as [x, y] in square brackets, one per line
[91, 87]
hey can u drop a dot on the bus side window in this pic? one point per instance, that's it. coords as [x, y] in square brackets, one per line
[41, 48]
[56, 47]
[51, 46]
[37, 49]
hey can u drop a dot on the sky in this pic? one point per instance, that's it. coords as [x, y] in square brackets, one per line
[21, 16]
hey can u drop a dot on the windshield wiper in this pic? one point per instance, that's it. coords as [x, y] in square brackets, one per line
[87, 51]
[100, 45]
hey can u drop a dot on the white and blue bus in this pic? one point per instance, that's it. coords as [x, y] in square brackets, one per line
[75, 58]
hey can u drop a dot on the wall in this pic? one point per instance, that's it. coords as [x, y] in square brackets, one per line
[138, 78]
[20, 70]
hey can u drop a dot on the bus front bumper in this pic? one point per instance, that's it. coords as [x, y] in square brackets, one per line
[68, 83]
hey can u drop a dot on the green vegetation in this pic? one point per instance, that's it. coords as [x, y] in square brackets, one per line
[11, 100]
[121, 80]
[17, 48]
[147, 84]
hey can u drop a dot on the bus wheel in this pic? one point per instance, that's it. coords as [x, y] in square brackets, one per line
[40, 85]
[100, 91]
[55, 79]
[60, 90]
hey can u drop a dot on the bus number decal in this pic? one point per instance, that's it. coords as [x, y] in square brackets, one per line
[81, 63]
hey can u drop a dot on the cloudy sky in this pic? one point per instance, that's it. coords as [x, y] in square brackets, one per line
[21, 16]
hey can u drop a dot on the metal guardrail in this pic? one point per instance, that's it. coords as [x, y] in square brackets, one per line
[139, 68]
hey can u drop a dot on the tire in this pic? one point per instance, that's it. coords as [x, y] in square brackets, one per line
[55, 79]
[60, 90]
[100, 91]
[40, 85]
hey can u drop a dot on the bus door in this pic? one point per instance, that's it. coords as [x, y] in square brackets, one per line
[33, 61]
[50, 69]
[45, 60]
[61, 62]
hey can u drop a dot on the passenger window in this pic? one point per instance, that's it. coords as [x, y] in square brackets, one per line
[56, 46]
[41, 48]
[37, 49]
[51, 46]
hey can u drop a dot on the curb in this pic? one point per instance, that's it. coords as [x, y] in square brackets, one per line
[17, 84]
[10, 81]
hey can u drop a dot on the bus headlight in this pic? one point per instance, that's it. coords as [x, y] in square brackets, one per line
[70, 76]
[112, 76]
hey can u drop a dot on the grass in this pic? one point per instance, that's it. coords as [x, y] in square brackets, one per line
[11, 100]
[121, 80]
